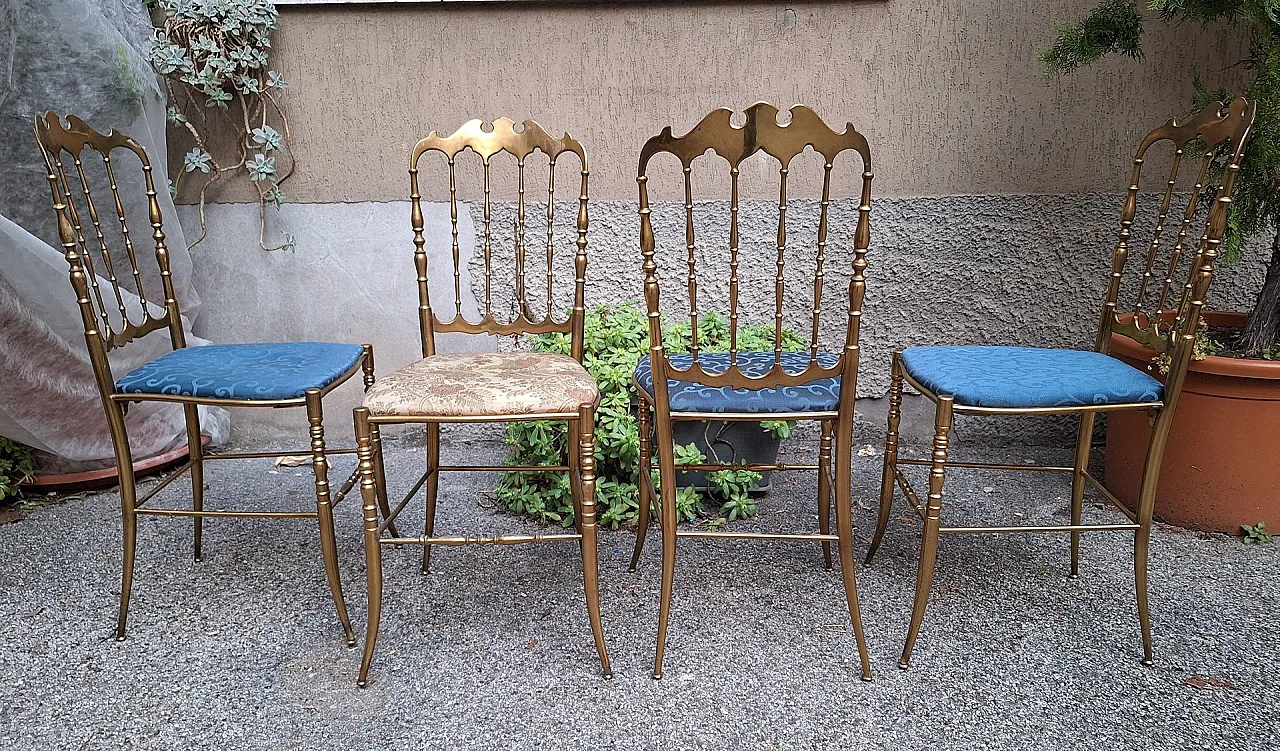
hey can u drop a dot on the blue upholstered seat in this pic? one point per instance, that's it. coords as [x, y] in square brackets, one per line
[1028, 376]
[820, 395]
[249, 372]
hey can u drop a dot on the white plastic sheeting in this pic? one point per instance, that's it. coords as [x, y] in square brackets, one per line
[82, 57]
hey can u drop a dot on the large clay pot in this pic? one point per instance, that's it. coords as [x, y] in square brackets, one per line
[1221, 465]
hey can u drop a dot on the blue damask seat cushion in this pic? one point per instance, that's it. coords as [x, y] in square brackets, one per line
[1028, 376]
[249, 372]
[819, 395]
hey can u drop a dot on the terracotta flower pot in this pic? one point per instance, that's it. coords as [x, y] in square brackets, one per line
[1221, 465]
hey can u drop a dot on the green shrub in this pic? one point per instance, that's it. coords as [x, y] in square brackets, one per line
[17, 465]
[616, 339]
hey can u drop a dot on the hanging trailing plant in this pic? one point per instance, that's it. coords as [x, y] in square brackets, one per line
[213, 57]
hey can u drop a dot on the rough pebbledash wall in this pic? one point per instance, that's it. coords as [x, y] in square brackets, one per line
[996, 192]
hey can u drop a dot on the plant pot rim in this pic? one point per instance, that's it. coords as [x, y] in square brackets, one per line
[1233, 367]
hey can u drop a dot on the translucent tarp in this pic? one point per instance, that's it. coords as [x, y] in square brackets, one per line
[82, 57]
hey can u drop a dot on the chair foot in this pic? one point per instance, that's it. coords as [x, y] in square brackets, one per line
[351, 643]
[904, 664]
[866, 679]
[1073, 576]
[362, 683]
[1148, 661]
[657, 676]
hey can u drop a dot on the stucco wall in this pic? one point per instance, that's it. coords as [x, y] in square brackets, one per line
[948, 92]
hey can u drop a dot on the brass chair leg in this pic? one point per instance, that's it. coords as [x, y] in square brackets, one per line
[383, 503]
[195, 453]
[324, 511]
[372, 545]
[573, 459]
[366, 365]
[824, 490]
[129, 515]
[586, 483]
[1083, 444]
[933, 520]
[844, 531]
[888, 479]
[667, 503]
[1142, 537]
[644, 483]
[432, 489]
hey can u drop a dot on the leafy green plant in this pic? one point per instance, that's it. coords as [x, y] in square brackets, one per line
[615, 340]
[1256, 534]
[1116, 26]
[213, 55]
[1205, 346]
[17, 465]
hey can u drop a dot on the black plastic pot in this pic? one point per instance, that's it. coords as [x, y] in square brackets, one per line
[729, 442]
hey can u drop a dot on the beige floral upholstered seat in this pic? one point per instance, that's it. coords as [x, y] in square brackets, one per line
[488, 383]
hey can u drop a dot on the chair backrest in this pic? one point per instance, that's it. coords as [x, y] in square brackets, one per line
[760, 132]
[101, 251]
[485, 145]
[1169, 287]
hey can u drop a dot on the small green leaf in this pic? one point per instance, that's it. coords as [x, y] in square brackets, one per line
[267, 137]
[197, 159]
[261, 167]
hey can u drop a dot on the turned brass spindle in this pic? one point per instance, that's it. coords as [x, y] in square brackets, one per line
[733, 267]
[124, 232]
[858, 283]
[425, 316]
[823, 211]
[1153, 249]
[579, 315]
[92, 209]
[488, 245]
[551, 222]
[108, 332]
[778, 289]
[1119, 256]
[155, 218]
[691, 249]
[522, 301]
[453, 225]
[1188, 216]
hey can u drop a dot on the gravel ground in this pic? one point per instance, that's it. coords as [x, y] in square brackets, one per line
[493, 649]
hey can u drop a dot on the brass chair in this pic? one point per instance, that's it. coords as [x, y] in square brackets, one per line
[992, 380]
[287, 374]
[751, 386]
[486, 387]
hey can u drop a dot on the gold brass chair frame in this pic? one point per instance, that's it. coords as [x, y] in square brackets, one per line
[113, 320]
[405, 396]
[1218, 138]
[754, 371]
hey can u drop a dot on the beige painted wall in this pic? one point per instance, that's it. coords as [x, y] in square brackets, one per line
[948, 91]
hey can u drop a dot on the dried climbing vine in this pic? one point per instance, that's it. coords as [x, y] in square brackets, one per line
[213, 57]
